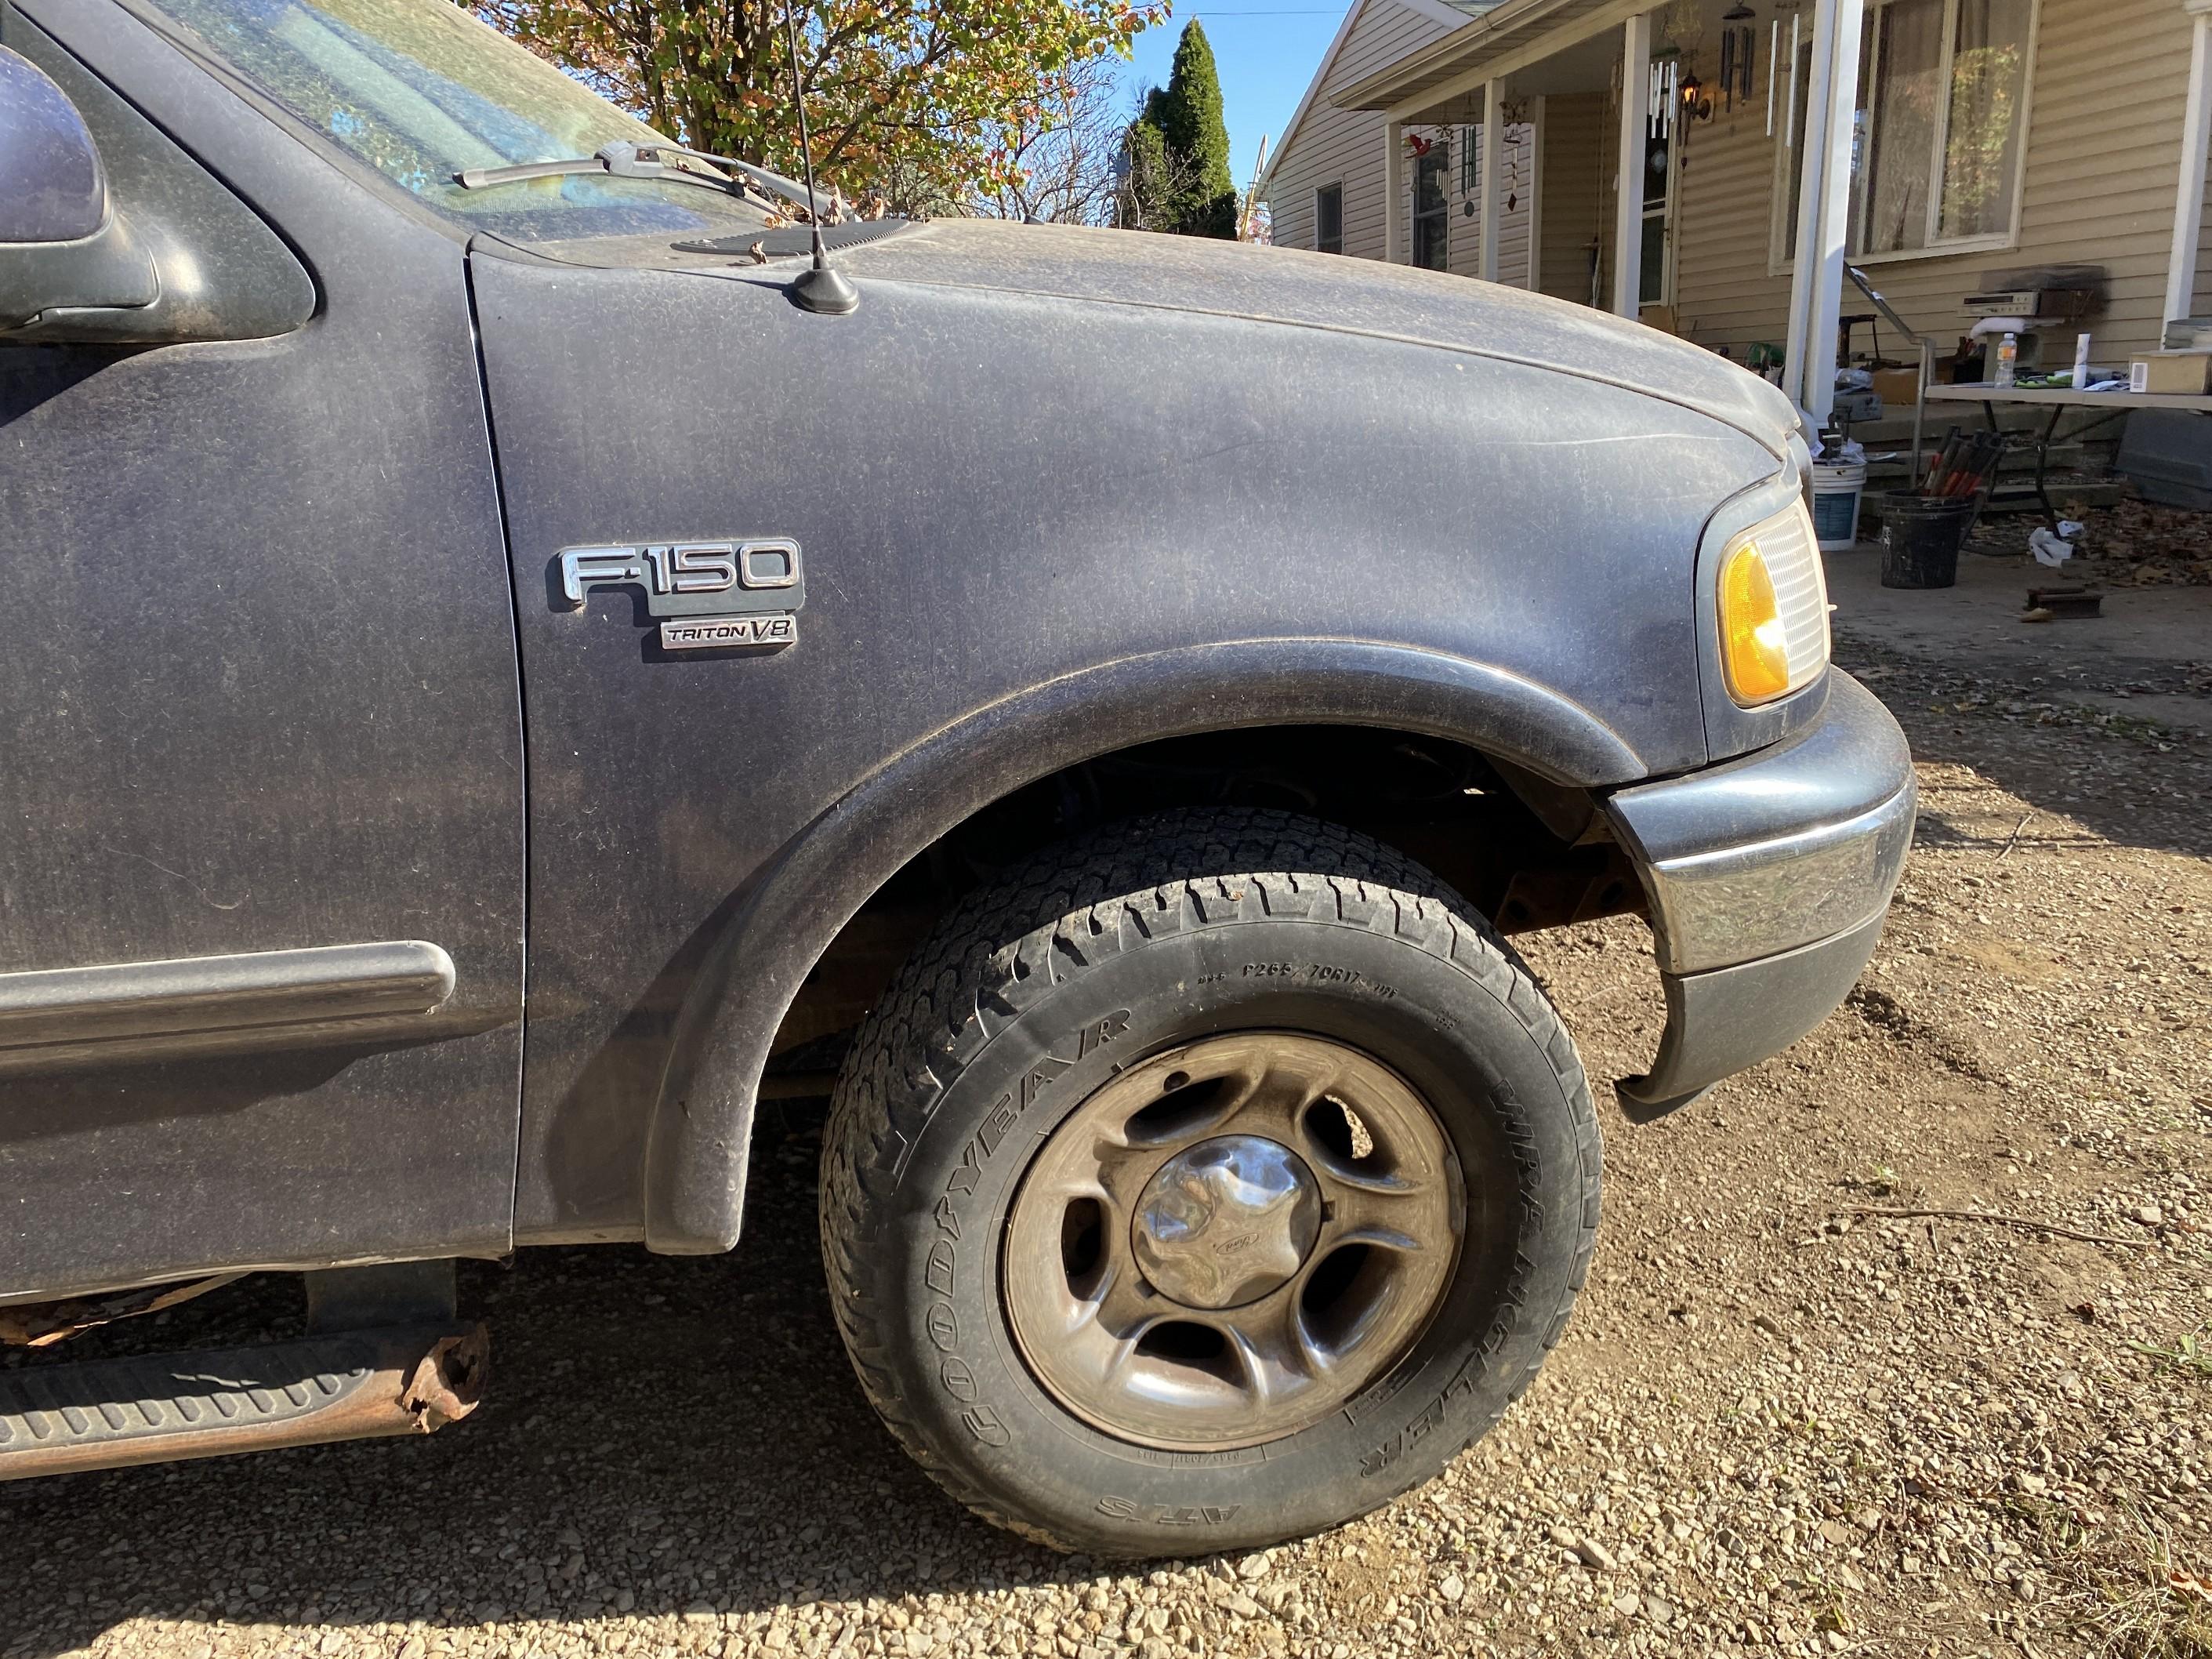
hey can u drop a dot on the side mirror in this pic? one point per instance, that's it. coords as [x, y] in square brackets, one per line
[63, 247]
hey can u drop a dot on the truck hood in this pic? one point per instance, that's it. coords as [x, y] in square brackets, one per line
[1327, 291]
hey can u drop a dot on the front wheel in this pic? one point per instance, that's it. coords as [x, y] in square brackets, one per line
[1211, 1182]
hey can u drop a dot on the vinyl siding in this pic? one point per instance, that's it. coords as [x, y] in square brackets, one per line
[1578, 145]
[1333, 146]
[2105, 113]
[1724, 294]
[1463, 247]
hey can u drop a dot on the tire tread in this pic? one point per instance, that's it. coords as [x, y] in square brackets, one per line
[1054, 918]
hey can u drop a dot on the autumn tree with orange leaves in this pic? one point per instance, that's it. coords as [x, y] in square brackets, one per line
[911, 102]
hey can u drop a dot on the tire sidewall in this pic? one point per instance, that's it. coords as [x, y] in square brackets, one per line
[1455, 1036]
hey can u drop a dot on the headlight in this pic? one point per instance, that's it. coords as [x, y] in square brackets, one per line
[1773, 608]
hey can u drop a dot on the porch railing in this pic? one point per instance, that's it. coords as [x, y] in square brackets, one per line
[1927, 361]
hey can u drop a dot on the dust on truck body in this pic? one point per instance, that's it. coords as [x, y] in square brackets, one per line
[501, 675]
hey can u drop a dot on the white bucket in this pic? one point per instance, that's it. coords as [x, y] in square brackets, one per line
[1836, 490]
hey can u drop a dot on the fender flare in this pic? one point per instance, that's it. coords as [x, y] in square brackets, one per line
[792, 909]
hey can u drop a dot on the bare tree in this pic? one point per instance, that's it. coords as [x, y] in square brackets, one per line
[1066, 153]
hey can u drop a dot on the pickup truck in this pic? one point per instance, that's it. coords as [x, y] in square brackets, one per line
[507, 668]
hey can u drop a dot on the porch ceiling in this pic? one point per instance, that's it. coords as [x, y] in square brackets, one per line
[1586, 66]
[1505, 36]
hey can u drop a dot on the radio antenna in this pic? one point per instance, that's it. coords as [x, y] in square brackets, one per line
[823, 287]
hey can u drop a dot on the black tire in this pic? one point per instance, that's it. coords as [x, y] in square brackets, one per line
[1126, 943]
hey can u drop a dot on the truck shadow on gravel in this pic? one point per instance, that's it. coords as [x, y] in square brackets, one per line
[662, 1437]
[2084, 772]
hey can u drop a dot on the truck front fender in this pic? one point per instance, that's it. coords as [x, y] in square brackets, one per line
[780, 924]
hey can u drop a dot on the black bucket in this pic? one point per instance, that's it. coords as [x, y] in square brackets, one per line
[1920, 539]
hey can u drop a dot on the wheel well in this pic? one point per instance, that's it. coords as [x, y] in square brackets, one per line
[1526, 853]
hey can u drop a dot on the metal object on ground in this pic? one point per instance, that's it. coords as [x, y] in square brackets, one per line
[60, 1420]
[1227, 1242]
[2066, 602]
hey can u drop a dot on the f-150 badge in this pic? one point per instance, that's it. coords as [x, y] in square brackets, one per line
[712, 595]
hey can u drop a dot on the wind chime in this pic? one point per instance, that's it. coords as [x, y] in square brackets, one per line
[1739, 51]
[1660, 96]
[1512, 133]
[1513, 128]
[1773, 58]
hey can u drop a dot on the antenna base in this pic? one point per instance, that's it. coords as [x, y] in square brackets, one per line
[827, 289]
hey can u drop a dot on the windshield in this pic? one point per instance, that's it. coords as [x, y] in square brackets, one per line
[419, 89]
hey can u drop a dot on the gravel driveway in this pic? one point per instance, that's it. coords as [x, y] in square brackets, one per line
[1806, 1405]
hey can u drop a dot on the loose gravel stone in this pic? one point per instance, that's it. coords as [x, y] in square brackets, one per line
[1785, 1419]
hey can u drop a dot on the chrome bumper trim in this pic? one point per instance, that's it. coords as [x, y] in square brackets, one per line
[1736, 905]
[1735, 870]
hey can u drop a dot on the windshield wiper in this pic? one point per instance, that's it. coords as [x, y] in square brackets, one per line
[624, 160]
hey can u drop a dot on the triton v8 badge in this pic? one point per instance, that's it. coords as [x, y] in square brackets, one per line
[710, 595]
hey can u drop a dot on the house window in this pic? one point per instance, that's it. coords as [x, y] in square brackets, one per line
[1432, 208]
[1329, 219]
[1935, 142]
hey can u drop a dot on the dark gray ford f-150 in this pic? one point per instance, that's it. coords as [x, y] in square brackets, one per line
[499, 678]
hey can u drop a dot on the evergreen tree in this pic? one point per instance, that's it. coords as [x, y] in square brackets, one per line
[1179, 147]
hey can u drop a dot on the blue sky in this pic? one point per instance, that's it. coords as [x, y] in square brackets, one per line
[1267, 50]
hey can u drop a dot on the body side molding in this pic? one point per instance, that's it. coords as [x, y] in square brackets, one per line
[326, 987]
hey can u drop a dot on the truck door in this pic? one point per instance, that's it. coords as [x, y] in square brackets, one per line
[261, 788]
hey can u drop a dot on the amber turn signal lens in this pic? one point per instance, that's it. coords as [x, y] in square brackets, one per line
[1754, 649]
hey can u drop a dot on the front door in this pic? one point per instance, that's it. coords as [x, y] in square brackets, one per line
[262, 758]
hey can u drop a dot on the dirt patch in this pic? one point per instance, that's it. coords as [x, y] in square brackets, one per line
[1778, 1424]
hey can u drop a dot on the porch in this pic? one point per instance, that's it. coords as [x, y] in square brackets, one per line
[1741, 122]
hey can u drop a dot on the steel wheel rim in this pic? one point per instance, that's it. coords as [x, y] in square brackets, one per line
[1154, 1177]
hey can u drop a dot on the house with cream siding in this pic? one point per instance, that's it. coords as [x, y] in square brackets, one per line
[1926, 143]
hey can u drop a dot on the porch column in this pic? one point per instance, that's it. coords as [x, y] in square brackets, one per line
[1816, 282]
[1490, 196]
[1536, 194]
[1812, 137]
[1823, 310]
[2188, 197]
[1394, 191]
[1628, 195]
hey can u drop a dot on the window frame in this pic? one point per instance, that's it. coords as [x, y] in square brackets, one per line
[1782, 251]
[1320, 191]
[1670, 213]
[1439, 216]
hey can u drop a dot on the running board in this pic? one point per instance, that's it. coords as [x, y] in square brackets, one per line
[58, 1419]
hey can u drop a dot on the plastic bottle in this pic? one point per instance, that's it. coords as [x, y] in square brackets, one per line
[2081, 361]
[2007, 355]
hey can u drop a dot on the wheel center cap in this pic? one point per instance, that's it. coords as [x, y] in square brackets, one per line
[1226, 1221]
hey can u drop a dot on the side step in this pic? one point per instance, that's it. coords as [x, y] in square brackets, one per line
[58, 1419]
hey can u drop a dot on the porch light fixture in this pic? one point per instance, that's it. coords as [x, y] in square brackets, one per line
[1694, 104]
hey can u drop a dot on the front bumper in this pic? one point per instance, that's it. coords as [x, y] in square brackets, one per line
[1769, 878]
